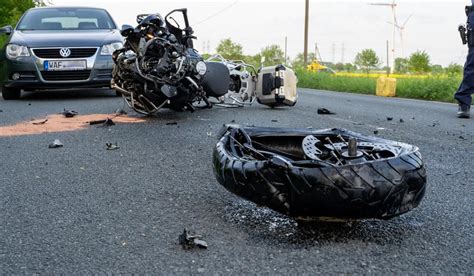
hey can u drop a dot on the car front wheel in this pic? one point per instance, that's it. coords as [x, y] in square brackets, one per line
[11, 93]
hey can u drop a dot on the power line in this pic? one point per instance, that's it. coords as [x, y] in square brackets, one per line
[217, 13]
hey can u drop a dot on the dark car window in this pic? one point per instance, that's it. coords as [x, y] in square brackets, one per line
[66, 19]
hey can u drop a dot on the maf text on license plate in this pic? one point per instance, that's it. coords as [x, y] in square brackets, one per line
[64, 65]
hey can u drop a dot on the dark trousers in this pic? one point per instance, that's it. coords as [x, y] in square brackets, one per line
[464, 93]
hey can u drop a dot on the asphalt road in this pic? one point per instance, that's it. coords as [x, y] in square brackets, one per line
[82, 209]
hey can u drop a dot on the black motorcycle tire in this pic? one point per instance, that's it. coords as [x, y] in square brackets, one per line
[380, 189]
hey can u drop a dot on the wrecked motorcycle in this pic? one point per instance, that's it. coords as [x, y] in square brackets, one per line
[158, 67]
[320, 174]
[272, 86]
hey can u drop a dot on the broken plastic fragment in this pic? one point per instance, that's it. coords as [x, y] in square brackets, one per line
[324, 111]
[109, 122]
[42, 122]
[69, 113]
[111, 146]
[56, 144]
[106, 122]
[188, 241]
[454, 173]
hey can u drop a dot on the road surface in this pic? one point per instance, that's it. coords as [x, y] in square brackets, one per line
[82, 209]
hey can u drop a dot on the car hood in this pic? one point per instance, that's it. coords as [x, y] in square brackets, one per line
[79, 38]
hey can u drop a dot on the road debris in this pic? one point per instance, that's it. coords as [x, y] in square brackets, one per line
[106, 122]
[171, 123]
[402, 121]
[120, 111]
[325, 111]
[69, 113]
[188, 241]
[435, 124]
[56, 144]
[109, 122]
[376, 132]
[454, 173]
[275, 121]
[97, 122]
[59, 123]
[110, 146]
[389, 118]
[346, 152]
[41, 122]
[462, 137]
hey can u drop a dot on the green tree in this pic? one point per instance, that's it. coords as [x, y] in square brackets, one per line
[273, 55]
[401, 65]
[436, 69]
[339, 66]
[11, 11]
[367, 60]
[419, 62]
[454, 69]
[230, 50]
[252, 60]
[349, 67]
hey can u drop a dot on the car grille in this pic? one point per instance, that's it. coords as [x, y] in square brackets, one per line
[104, 73]
[75, 52]
[66, 75]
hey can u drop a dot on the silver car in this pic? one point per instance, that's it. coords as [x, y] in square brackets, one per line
[58, 47]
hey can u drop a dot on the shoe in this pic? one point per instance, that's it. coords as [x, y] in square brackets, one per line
[464, 111]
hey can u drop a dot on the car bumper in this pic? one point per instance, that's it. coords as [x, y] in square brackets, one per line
[33, 76]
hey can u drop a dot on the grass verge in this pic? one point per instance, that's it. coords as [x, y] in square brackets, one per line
[431, 88]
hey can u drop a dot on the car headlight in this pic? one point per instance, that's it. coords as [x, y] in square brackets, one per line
[109, 49]
[13, 51]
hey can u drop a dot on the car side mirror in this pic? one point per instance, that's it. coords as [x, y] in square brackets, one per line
[126, 30]
[6, 30]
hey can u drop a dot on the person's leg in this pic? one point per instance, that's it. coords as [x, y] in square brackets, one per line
[463, 95]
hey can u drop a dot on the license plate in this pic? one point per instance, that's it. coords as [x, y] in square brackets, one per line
[65, 65]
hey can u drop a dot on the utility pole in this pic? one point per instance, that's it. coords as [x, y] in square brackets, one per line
[343, 52]
[286, 49]
[333, 53]
[393, 6]
[388, 59]
[306, 27]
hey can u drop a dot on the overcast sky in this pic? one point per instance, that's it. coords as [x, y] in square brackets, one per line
[352, 24]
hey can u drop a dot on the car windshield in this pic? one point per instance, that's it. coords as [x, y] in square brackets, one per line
[66, 19]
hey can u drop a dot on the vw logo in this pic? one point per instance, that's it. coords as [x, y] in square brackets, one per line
[65, 52]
